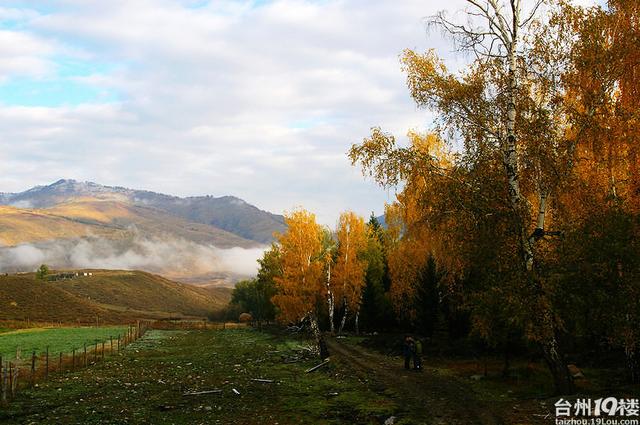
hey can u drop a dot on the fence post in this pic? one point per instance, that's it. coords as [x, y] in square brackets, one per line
[3, 379]
[73, 362]
[33, 367]
[85, 355]
[14, 387]
[11, 378]
[111, 342]
[60, 363]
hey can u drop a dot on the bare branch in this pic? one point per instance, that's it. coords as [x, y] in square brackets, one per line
[532, 14]
[502, 21]
[465, 37]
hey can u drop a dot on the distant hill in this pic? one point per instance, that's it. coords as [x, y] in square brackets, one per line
[70, 224]
[18, 226]
[227, 213]
[110, 219]
[113, 296]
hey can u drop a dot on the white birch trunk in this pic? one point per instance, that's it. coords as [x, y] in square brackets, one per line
[344, 318]
[562, 379]
[330, 300]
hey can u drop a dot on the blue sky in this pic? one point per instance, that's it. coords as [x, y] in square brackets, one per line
[257, 99]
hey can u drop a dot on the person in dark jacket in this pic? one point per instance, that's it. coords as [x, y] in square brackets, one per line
[417, 355]
[408, 350]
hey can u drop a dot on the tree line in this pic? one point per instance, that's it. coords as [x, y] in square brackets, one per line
[517, 217]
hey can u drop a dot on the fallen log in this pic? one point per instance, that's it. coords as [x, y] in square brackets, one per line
[202, 392]
[266, 381]
[324, 363]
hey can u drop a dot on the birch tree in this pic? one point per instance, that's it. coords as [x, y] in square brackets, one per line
[494, 109]
[497, 40]
[328, 254]
[301, 284]
[350, 268]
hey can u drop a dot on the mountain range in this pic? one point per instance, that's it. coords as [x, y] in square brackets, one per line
[228, 213]
[76, 224]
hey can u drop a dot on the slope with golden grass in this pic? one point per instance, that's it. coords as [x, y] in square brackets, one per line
[24, 298]
[105, 218]
[92, 210]
[119, 215]
[227, 213]
[20, 225]
[143, 291]
[113, 296]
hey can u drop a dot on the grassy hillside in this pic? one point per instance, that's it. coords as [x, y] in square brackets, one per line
[229, 213]
[113, 296]
[22, 298]
[226, 213]
[105, 218]
[20, 225]
[143, 291]
[149, 221]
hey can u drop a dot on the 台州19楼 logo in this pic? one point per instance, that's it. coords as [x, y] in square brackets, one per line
[602, 411]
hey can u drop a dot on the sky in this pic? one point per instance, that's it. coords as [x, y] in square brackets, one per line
[257, 99]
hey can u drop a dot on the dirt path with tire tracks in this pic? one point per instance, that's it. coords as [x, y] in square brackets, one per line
[439, 399]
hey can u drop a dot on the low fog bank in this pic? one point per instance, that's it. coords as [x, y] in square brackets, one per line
[156, 255]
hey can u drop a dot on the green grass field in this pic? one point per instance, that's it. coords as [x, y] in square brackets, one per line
[242, 376]
[147, 383]
[57, 339]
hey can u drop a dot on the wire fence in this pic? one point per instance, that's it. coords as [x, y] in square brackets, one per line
[20, 374]
[25, 373]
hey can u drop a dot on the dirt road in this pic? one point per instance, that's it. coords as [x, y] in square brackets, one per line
[440, 399]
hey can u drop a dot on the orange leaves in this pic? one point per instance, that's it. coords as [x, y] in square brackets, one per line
[426, 74]
[417, 223]
[349, 271]
[603, 93]
[306, 265]
[300, 286]
[406, 260]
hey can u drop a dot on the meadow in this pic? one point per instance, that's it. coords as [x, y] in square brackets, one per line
[57, 340]
[245, 376]
[203, 377]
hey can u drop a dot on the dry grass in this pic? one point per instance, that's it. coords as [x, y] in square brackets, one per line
[20, 226]
[90, 209]
[107, 218]
[112, 296]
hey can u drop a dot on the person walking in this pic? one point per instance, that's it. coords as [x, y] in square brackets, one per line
[417, 355]
[408, 349]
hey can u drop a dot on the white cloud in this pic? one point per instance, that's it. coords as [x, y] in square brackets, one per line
[166, 255]
[23, 54]
[258, 102]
